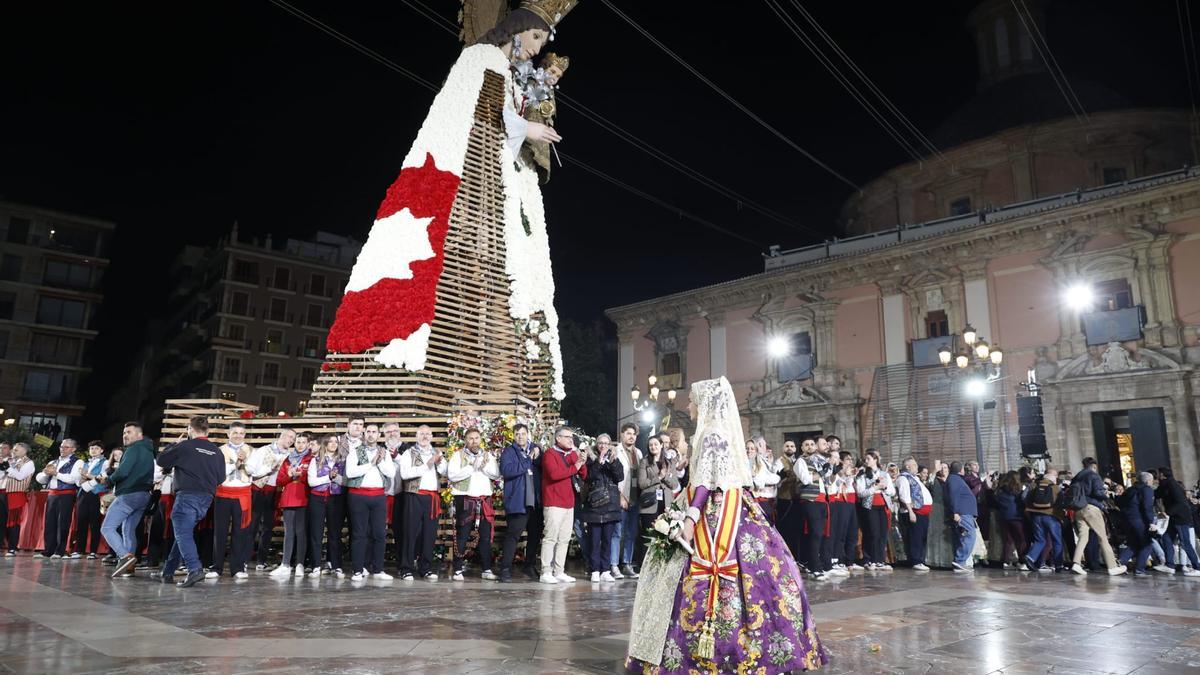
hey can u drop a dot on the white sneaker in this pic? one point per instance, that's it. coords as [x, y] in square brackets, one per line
[76, 556]
[920, 567]
[1189, 572]
[259, 567]
[458, 576]
[382, 576]
[488, 576]
[357, 576]
[884, 567]
[838, 571]
[339, 573]
[406, 577]
[856, 568]
[1078, 569]
[431, 576]
[959, 568]
[299, 570]
[596, 577]
[1117, 571]
[211, 575]
[564, 579]
[606, 576]
[548, 578]
[241, 575]
[281, 571]
[314, 572]
[616, 572]
[1164, 569]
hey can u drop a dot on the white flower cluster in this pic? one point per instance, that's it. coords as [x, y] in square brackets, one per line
[528, 264]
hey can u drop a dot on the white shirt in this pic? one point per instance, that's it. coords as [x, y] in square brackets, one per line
[395, 488]
[479, 481]
[263, 464]
[905, 492]
[97, 467]
[22, 472]
[626, 485]
[414, 463]
[372, 474]
[63, 481]
[315, 466]
[766, 478]
[866, 489]
[234, 478]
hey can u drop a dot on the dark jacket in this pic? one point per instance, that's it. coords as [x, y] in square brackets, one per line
[1050, 510]
[515, 465]
[197, 465]
[603, 476]
[959, 498]
[1093, 487]
[135, 472]
[1175, 502]
[1138, 506]
[1008, 505]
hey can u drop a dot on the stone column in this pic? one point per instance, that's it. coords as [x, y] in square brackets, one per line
[717, 365]
[895, 340]
[978, 310]
[624, 374]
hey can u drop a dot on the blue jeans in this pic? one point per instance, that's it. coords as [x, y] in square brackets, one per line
[189, 509]
[965, 530]
[623, 554]
[123, 516]
[1182, 534]
[1046, 529]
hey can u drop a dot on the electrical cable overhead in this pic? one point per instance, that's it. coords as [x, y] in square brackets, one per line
[725, 95]
[841, 79]
[629, 137]
[388, 63]
[1051, 63]
[887, 102]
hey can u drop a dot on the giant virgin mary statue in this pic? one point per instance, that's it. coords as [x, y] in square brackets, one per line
[736, 604]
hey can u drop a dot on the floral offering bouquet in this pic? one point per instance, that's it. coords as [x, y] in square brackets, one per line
[666, 534]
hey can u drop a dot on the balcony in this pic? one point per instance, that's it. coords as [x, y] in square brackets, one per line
[46, 396]
[280, 317]
[271, 381]
[310, 353]
[925, 351]
[249, 311]
[232, 377]
[314, 322]
[272, 284]
[232, 343]
[277, 348]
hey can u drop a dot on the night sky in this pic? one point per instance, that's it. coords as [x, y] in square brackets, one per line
[176, 119]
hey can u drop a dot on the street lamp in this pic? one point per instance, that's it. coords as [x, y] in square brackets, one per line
[1079, 297]
[979, 363]
[650, 407]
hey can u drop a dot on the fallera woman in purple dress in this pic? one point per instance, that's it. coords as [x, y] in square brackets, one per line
[737, 603]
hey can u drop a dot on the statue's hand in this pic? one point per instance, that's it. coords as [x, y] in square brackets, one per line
[536, 131]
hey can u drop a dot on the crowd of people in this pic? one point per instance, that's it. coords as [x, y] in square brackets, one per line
[206, 509]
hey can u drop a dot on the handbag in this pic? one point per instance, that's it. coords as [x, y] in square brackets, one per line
[598, 497]
[647, 499]
[1159, 526]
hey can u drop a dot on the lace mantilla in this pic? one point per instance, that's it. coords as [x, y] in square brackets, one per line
[719, 461]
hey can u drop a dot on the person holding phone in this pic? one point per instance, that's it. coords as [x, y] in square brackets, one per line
[875, 489]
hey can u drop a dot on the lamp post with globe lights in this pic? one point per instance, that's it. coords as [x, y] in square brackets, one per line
[650, 408]
[978, 366]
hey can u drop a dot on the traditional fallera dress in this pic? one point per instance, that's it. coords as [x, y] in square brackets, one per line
[737, 604]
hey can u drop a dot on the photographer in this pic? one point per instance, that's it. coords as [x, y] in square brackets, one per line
[1179, 528]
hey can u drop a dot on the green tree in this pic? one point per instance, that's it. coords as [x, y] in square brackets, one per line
[587, 377]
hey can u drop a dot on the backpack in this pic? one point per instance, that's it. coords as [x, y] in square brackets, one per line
[1041, 496]
[1077, 496]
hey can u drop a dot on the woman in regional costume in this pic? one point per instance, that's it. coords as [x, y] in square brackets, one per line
[736, 604]
[391, 295]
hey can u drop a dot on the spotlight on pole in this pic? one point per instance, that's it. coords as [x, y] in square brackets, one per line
[779, 347]
[975, 387]
[648, 416]
[1079, 297]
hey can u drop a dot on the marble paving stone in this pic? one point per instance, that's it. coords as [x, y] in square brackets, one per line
[70, 617]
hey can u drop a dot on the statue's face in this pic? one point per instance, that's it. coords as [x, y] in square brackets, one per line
[532, 42]
[553, 75]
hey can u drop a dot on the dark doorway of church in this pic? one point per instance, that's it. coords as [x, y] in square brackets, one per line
[1128, 441]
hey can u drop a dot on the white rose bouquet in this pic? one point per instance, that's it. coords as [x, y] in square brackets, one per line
[665, 534]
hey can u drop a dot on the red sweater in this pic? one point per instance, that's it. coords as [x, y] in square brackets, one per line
[295, 492]
[557, 470]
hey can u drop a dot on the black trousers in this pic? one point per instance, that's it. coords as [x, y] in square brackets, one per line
[873, 523]
[87, 522]
[262, 522]
[814, 516]
[914, 543]
[4, 524]
[534, 529]
[788, 522]
[58, 523]
[843, 532]
[227, 524]
[398, 527]
[326, 519]
[463, 532]
[420, 533]
[515, 525]
[368, 530]
[160, 544]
